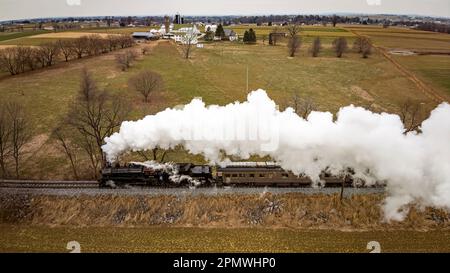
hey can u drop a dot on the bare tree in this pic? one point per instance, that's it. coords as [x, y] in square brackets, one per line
[22, 56]
[146, 83]
[264, 38]
[274, 36]
[30, 57]
[294, 41]
[187, 43]
[79, 46]
[94, 44]
[5, 134]
[126, 59]
[125, 40]
[70, 150]
[411, 115]
[334, 20]
[95, 115]
[8, 60]
[363, 46]
[367, 50]
[340, 46]
[113, 42]
[155, 153]
[316, 47]
[358, 44]
[302, 106]
[145, 50]
[48, 52]
[20, 132]
[65, 48]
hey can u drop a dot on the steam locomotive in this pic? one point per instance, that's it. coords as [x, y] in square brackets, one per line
[240, 174]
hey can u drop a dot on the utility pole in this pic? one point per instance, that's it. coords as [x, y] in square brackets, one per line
[247, 79]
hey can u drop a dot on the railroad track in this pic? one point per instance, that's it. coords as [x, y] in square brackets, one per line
[48, 184]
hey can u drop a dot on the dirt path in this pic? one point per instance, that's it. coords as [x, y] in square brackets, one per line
[425, 89]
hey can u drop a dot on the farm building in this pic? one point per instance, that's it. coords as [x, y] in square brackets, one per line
[144, 36]
[193, 29]
[231, 35]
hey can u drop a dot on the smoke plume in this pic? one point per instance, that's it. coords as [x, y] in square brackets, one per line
[416, 167]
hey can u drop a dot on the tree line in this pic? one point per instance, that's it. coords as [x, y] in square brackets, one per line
[20, 59]
[361, 45]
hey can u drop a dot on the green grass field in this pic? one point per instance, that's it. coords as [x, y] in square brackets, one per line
[163, 239]
[4, 36]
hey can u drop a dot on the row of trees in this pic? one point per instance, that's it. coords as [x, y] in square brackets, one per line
[435, 27]
[362, 45]
[15, 133]
[19, 59]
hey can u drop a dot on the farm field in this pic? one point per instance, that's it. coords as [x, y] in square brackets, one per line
[217, 73]
[37, 39]
[34, 38]
[432, 69]
[163, 239]
[5, 36]
[404, 38]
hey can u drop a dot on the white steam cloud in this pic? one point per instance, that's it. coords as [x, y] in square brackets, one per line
[416, 167]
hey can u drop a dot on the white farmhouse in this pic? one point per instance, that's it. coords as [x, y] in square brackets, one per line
[193, 30]
[186, 35]
[212, 28]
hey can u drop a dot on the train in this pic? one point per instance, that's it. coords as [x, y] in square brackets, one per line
[233, 174]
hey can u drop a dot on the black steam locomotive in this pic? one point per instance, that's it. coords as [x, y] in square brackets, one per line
[244, 174]
[165, 175]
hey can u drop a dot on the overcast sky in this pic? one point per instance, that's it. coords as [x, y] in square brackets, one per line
[21, 9]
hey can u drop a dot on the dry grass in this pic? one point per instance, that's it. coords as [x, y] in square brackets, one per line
[225, 223]
[6, 46]
[294, 210]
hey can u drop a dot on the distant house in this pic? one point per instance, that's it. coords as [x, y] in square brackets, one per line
[274, 36]
[181, 35]
[168, 36]
[212, 28]
[231, 35]
[162, 30]
[185, 38]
